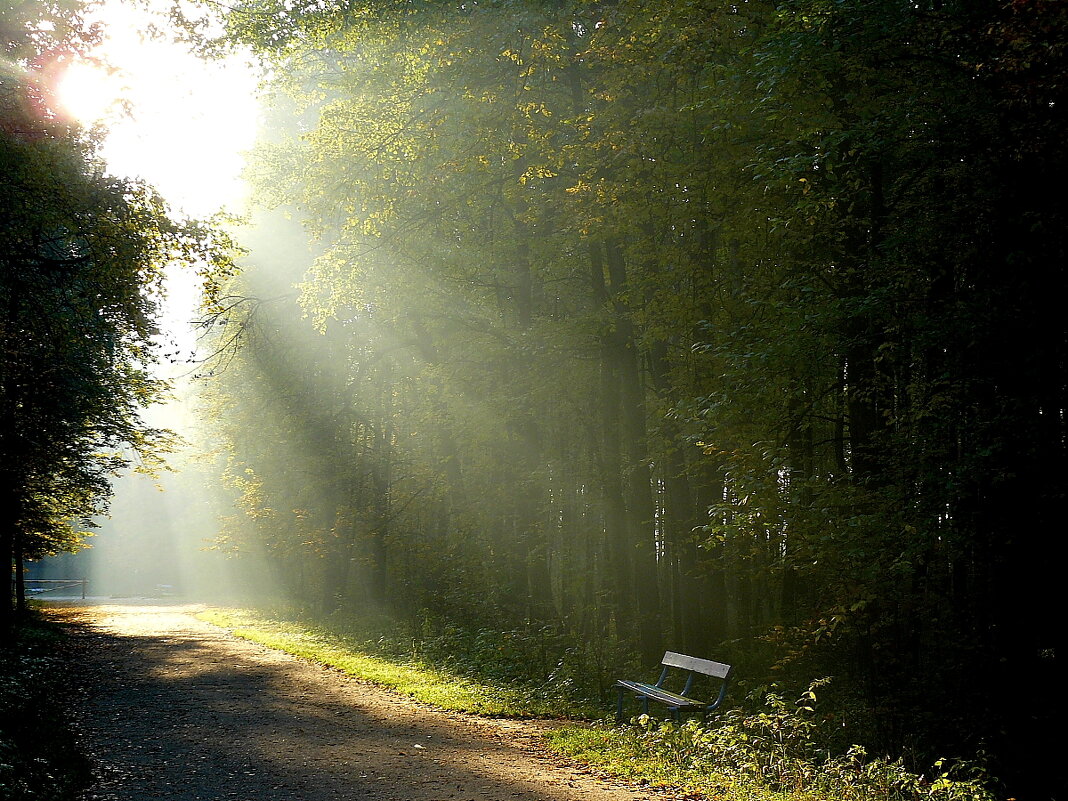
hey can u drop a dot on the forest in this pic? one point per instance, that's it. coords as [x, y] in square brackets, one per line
[729, 328]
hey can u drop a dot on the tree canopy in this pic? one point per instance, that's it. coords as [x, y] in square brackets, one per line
[733, 326]
[81, 266]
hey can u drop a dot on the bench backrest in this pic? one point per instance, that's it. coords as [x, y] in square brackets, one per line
[704, 666]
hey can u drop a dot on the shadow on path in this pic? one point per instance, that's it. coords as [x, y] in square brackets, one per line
[177, 709]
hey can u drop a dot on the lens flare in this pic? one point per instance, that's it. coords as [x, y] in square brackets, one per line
[89, 93]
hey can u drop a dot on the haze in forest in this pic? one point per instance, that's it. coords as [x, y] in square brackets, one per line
[733, 329]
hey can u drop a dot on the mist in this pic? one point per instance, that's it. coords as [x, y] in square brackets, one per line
[611, 323]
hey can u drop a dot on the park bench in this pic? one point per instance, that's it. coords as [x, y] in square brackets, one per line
[676, 702]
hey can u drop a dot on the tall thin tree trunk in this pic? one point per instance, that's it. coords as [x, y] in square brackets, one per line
[640, 508]
[7, 549]
[617, 553]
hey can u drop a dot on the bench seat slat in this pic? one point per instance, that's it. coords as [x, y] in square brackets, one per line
[676, 702]
[659, 694]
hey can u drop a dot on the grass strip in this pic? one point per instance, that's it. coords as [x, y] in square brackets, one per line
[621, 752]
[612, 750]
[417, 680]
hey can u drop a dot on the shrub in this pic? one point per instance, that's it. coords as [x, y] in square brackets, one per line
[780, 748]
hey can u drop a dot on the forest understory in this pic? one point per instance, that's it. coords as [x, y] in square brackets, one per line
[160, 704]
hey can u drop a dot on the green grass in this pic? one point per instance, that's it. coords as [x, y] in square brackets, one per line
[723, 761]
[423, 682]
[617, 752]
[622, 753]
[769, 753]
[625, 753]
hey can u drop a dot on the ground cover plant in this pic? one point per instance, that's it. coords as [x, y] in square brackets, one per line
[38, 757]
[490, 673]
[765, 747]
[775, 751]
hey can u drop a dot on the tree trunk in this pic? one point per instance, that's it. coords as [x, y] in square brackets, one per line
[7, 549]
[640, 508]
[617, 555]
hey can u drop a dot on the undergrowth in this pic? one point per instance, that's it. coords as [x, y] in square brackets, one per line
[774, 751]
[765, 749]
[38, 757]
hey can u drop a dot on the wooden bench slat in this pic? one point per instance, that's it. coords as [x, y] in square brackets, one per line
[659, 694]
[705, 666]
[676, 701]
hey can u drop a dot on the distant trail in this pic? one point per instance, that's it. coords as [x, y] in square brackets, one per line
[178, 709]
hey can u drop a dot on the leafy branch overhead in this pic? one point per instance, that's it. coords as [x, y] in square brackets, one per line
[82, 255]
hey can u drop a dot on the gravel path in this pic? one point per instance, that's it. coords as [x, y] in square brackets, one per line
[179, 709]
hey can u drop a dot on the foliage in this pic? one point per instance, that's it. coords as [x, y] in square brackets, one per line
[38, 756]
[82, 255]
[726, 326]
[778, 751]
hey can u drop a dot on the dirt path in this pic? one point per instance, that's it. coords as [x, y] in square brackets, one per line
[178, 709]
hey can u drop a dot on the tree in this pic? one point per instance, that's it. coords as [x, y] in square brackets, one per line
[728, 323]
[82, 262]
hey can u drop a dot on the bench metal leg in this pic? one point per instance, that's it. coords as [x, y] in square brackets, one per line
[644, 699]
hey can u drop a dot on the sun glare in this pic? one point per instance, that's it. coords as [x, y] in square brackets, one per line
[88, 93]
[180, 122]
[171, 118]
